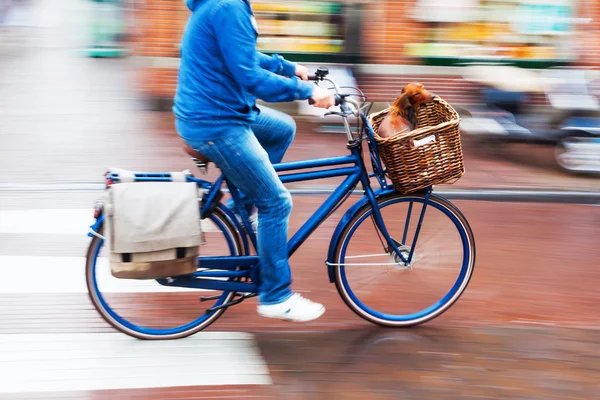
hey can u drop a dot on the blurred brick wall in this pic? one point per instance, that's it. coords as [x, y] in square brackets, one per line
[161, 25]
[386, 29]
[588, 35]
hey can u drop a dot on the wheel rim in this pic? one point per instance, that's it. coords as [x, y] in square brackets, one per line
[427, 313]
[146, 332]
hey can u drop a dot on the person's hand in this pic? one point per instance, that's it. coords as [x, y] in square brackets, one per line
[322, 98]
[301, 72]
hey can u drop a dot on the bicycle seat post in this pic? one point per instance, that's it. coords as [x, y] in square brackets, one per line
[202, 165]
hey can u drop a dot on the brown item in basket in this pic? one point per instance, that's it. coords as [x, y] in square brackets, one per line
[401, 117]
[429, 155]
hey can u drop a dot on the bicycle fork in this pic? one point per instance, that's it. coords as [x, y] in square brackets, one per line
[380, 224]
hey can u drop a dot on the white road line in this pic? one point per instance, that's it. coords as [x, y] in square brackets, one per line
[56, 221]
[50, 221]
[39, 274]
[82, 362]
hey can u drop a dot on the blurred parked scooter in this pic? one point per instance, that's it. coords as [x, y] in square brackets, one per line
[571, 124]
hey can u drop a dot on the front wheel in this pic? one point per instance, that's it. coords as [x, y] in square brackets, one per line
[374, 281]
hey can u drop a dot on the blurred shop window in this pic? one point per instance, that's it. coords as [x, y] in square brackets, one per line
[502, 30]
[446, 10]
[304, 30]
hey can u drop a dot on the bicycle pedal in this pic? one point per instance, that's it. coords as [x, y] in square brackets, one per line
[232, 302]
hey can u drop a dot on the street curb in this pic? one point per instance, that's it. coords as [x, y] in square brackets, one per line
[505, 195]
[523, 195]
[574, 197]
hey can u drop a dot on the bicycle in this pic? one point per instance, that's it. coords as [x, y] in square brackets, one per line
[227, 275]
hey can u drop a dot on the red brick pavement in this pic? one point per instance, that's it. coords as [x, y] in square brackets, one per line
[536, 264]
[424, 363]
[65, 119]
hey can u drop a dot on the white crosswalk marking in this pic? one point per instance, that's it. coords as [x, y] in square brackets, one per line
[60, 362]
[56, 221]
[38, 274]
[70, 362]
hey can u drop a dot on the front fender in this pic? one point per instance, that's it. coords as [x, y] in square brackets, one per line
[346, 218]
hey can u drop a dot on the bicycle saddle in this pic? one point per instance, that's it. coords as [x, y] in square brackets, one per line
[194, 154]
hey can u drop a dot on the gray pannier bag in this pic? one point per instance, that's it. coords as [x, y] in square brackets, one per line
[153, 229]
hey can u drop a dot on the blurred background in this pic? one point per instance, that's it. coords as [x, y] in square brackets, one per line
[381, 45]
[86, 85]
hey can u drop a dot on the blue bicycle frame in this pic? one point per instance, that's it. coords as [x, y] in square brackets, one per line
[244, 267]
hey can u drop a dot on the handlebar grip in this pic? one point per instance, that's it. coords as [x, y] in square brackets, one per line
[338, 100]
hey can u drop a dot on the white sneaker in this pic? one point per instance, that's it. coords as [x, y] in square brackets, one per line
[254, 221]
[296, 308]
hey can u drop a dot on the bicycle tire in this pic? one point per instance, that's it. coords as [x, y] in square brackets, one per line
[121, 324]
[467, 268]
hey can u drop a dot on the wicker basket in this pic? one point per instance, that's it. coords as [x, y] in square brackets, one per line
[429, 155]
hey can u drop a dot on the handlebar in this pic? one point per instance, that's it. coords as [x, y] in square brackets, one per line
[348, 106]
[340, 99]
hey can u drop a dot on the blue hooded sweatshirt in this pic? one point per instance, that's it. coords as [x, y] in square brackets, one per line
[222, 73]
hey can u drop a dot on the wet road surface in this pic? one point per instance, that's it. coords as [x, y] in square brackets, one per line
[526, 328]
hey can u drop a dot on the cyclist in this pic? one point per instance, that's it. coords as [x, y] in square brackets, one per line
[220, 77]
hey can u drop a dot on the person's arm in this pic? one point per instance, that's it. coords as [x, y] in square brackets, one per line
[276, 64]
[236, 38]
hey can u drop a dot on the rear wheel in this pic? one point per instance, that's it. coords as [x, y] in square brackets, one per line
[377, 285]
[147, 310]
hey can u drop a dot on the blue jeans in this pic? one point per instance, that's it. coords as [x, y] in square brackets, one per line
[275, 133]
[246, 154]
